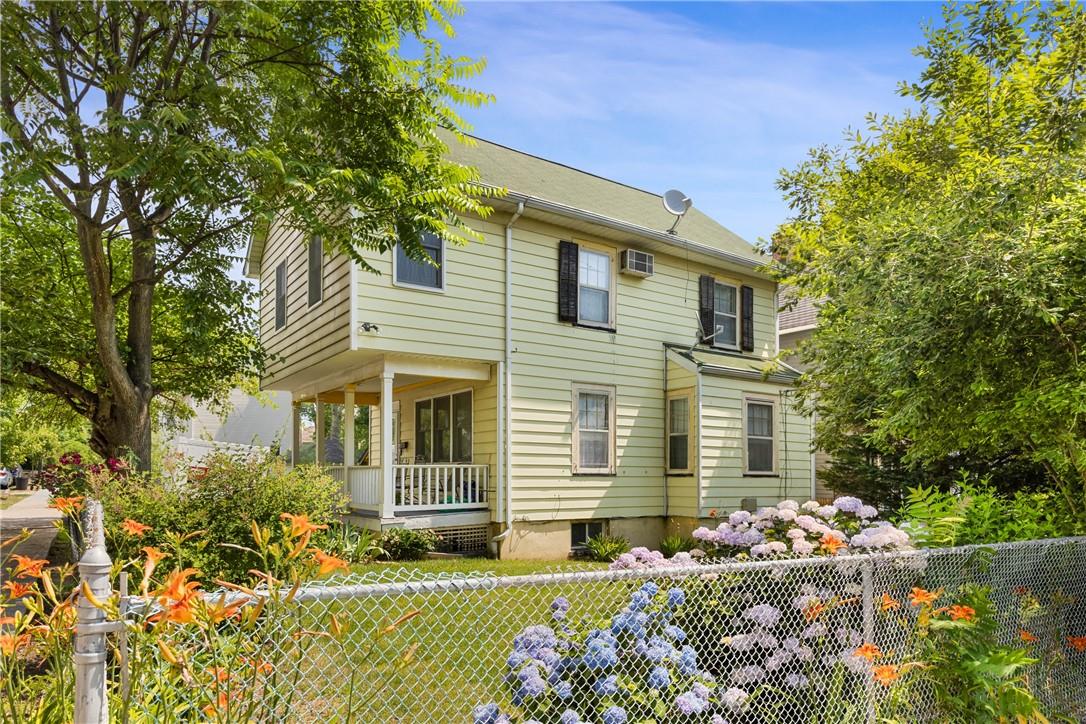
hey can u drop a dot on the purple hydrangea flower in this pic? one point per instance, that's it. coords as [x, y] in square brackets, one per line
[796, 681]
[675, 632]
[559, 608]
[614, 715]
[763, 615]
[848, 504]
[570, 717]
[676, 597]
[599, 654]
[605, 685]
[690, 703]
[488, 714]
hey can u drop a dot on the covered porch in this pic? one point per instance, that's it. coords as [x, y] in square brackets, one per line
[429, 440]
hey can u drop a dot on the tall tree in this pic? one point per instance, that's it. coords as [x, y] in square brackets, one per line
[948, 247]
[165, 130]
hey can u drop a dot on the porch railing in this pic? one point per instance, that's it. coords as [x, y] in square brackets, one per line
[438, 486]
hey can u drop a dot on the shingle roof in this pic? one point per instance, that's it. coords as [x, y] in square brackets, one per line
[534, 176]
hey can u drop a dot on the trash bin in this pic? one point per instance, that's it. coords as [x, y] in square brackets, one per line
[22, 483]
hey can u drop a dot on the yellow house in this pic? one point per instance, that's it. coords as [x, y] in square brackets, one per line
[579, 371]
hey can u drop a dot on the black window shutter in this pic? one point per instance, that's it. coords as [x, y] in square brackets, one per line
[706, 294]
[567, 282]
[746, 310]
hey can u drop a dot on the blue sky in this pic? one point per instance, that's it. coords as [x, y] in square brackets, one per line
[710, 98]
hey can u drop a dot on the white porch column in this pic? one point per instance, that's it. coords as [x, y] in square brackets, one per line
[348, 428]
[295, 431]
[388, 448]
[319, 436]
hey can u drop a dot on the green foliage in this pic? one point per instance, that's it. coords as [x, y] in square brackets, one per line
[405, 544]
[673, 544]
[36, 430]
[974, 677]
[349, 542]
[193, 519]
[163, 164]
[947, 247]
[975, 513]
[606, 548]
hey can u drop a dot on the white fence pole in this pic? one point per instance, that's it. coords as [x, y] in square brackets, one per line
[91, 704]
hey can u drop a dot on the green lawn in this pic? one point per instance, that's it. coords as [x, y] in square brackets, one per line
[462, 640]
[482, 565]
[12, 499]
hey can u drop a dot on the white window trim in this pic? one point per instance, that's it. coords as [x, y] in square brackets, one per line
[688, 396]
[612, 293]
[423, 287]
[734, 344]
[275, 296]
[608, 390]
[307, 258]
[772, 402]
[415, 424]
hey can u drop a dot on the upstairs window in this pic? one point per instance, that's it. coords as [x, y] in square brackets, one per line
[410, 273]
[761, 444]
[594, 430]
[586, 286]
[281, 295]
[316, 270]
[594, 277]
[725, 315]
[678, 434]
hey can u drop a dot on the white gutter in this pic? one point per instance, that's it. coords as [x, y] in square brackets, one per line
[505, 421]
[534, 202]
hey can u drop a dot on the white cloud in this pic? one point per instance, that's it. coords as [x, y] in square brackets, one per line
[654, 99]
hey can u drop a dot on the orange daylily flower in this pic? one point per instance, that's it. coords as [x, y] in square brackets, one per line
[27, 566]
[262, 667]
[328, 563]
[886, 674]
[1026, 636]
[888, 602]
[68, 505]
[921, 597]
[221, 610]
[832, 543]
[814, 610]
[300, 524]
[961, 613]
[177, 596]
[18, 590]
[219, 673]
[1078, 643]
[1020, 590]
[154, 556]
[220, 703]
[712, 513]
[10, 643]
[868, 651]
[133, 527]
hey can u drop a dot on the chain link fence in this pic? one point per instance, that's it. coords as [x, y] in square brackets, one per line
[844, 639]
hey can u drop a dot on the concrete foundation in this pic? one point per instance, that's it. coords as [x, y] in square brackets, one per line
[550, 540]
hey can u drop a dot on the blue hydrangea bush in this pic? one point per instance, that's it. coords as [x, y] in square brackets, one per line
[637, 666]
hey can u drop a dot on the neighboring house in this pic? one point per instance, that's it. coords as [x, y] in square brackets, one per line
[794, 324]
[548, 383]
[251, 424]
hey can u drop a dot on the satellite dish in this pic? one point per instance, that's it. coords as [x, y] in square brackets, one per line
[676, 203]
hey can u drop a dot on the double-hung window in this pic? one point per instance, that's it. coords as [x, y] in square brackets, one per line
[594, 429]
[594, 294]
[678, 434]
[725, 316]
[422, 274]
[281, 295]
[443, 428]
[760, 437]
[316, 270]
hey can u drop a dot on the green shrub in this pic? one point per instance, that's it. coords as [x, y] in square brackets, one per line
[673, 544]
[977, 513]
[606, 548]
[350, 542]
[206, 520]
[404, 544]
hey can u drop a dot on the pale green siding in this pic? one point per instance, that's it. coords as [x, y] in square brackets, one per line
[682, 490]
[723, 482]
[550, 357]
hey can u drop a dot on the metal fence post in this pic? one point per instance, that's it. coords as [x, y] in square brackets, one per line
[867, 577]
[91, 704]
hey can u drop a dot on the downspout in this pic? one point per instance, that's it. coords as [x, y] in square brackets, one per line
[505, 421]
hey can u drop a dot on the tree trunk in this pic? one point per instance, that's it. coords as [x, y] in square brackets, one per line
[123, 431]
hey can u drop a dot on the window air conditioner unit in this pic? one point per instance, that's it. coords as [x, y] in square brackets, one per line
[637, 263]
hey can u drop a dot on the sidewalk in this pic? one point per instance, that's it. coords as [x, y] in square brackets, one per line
[34, 513]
